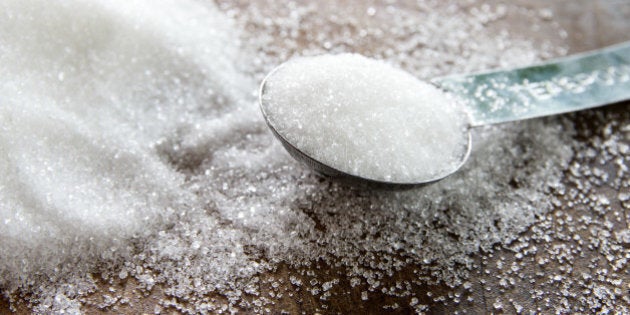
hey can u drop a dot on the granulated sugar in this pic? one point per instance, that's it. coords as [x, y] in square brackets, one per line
[184, 191]
[89, 89]
[576, 255]
[366, 118]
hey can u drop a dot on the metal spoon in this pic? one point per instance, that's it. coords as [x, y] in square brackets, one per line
[573, 83]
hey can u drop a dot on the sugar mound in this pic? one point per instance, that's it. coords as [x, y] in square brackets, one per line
[90, 90]
[366, 118]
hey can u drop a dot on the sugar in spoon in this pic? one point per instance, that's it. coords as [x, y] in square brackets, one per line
[568, 84]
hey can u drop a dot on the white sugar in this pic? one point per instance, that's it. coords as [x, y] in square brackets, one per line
[90, 90]
[134, 156]
[366, 118]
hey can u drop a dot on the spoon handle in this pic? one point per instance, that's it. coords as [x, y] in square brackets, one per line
[563, 85]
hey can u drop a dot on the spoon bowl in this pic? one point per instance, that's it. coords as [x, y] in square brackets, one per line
[344, 176]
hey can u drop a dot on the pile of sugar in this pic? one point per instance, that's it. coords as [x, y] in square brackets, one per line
[245, 212]
[89, 91]
[366, 118]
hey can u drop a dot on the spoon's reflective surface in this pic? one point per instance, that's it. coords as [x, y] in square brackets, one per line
[568, 84]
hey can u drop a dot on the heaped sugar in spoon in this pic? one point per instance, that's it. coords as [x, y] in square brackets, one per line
[365, 118]
[361, 119]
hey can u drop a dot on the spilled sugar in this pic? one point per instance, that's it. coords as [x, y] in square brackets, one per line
[89, 89]
[366, 118]
[168, 87]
